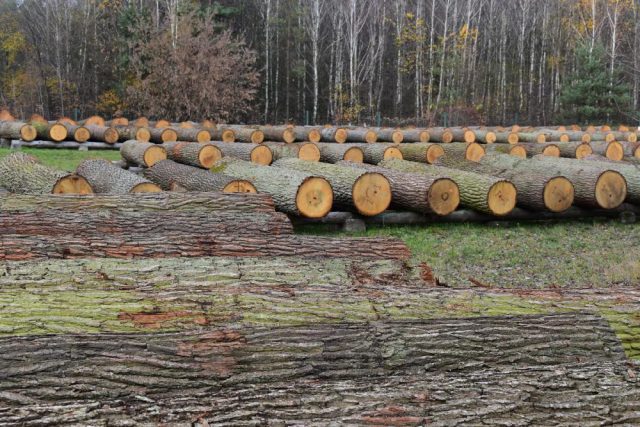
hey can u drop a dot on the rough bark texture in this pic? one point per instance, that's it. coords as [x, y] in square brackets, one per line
[106, 178]
[334, 153]
[364, 135]
[193, 134]
[278, 134]
[249, 135]
[283, 150]
[461, 150]
[631, 149]
[17, 130]
[512, 149]
[23, 174]
[474, 188]
[421, 152]
[574, 149]
[307, 133]
[630, 172]
[103, 134]
[534, 149]
[416, 135]
[440, 135]
[332, 134]
[50, 131]
[412, 191]
[168, 173]
[136, 152]
[223, 135]
[282, 184]
[193, 153]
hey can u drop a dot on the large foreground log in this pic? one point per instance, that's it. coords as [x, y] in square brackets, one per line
[23, 174]
[415, 192]
[106, 178]
[333, 153]
[143, 154]
[483, 193]
[258, 154]
[293, 192]
[17, 130]
[538, 188]
[368, 192]
[193, 153]
[421, 152]
[172, 176]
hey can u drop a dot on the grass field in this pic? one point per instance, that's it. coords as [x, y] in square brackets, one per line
[533, 255]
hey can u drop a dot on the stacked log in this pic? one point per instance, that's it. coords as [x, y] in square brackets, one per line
[483, 193]
[106, 178]
[507, 137]
[224, 135]
[362, 135]
[333, 153]
[258, 154]
[612, 150]
[375, 153]
[172, 176]
[421, 152]
[77, 133]
[517, 150]
[243, 134]
[631, 149]
[485, 136]
[546, 149]
[193, 153]
[17, 130]
[306, 134]
[331, 134]
[50, 131]
[23, 174]
[104, 134]
[419, 193]
[463, 135]
[278, 134]
[160, 135]
[440, 135]
[294, 192]
[304, 151]
[126, 133]
[468, 151]
[574, 150]
[369, 193]
[389, 135]
[143, 154]
[93, 121]
[193, 135]
[416, 135]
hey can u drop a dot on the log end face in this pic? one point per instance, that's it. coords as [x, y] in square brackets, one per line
[111, 135]
[551, 151]
[371, 194]
[28, 133]
[240, 186]
[314, 198]
[309, 152]
[541, 138]
[143, 134]
[615, 151]
[469, 136]
[95, 121]
[518, 151]
[474, 152]
[209, 155]
[261, 155]
[341, 136]
[501, 198]
[434, 152]
[558, 194]
[392, 153]
[81, 134]
[160, 124]
[146, 187]
[513, 138]
[564, 138]
[141, 122]
[583, 150]
[169, 135]
[447, 137]
[203, 136]
[586, 137]
[314, 135]
[58, 132]
[355, 155]
[397, 137]
[490, 137]
[425, 136]
[632, 137]
[228, 136]
[257, 137]
[444, 196]
[153, 155]
[611, 190]
[72, 184]
[289, 136]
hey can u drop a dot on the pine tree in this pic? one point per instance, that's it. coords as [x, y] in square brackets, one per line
[593, 94]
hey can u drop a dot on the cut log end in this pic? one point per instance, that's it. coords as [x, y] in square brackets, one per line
[208, 155]
[370, 137]
[501, 198]
[143, 134]
[239, 186]
[632, 137]
[261, 155]
[558, 194]
[314, 198]
[120, 121]
[58, 132]
[163, 124]
[203, 136]
[81, 134]
[447, 137]
[111, 136]
[434, 152]
[564, 138]
[72, 184]
[475, 152]
[424, 136]
[228, 136]
[154, 155]
[314, 135]
[586, 137]
[371, 194]
[141, 121]
[341, 136]
[28, 133]
[583, 151]
[636, 152]
[95, 121]
[355, 155]
[513, 138]
[490, 137]
[551, 151]
[444, 196]
[257, 137]
[611, 190]
[288, 136]
[541, 138]
[397, 137]
[469, 136]
[146, 187]
[309, 152]
[609, 137]
[518, 151]
[392, 153]
[169, 135]
[615, 151]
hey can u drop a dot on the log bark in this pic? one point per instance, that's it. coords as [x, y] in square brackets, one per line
[330, 134]
[93, 121]
[612, 150]
[362, 135]
[223, 135]
[375, 153]
[103, 134]
[17, 130]
[106, 178]
[244, 134]
[471, 151]
[537, 137]
[483, 193]
[333, 153]
[170, 175]
[421, 152]
[304, 151]
[258, 154]
[463, 135]
[538, 189]
[625, 136]
[50, 131]
[485, 136]
[125, 133]
[419, 193]
[546, 149]
[389, 135]
[163, 134]
[278, 134]
[369, 193]
[293, 192]
[631, 149]
[77, 133]
[630, 172]
[574, 150]
[143, 154]
[594, 186]
[193, 153]
[23, 174]
[307, 133]
[193, 134]
[516, 150]
[416, 135]
[507, 137]
[440, 135]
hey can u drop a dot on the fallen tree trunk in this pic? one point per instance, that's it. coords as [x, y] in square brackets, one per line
[193, 135]
[333, 153]
[163, 134]
[612, 150]
[17, 130]
[293, 192]
[50, 131]
[420, 193]
[516, 150]
[306, 133]
[304, 151]
[103, 134]
[538, 189]
[332, 134]
[106, 178]
[375, 153]
[143, 154]
[416, 135]
[258, 154]
[171, 176]
[421, 152]
[471, 151]
[483, 193]
[193, 153]
[23, 174]
[368, 192]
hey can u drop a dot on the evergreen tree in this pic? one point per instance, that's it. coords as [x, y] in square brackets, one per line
[593, 94]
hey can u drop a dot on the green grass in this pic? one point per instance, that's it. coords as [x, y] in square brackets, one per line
[527, 255]
[65, 159]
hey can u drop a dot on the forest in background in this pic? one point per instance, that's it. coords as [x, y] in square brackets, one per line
[392, 62]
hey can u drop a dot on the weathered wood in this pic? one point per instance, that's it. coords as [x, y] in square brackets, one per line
[307, 133]
[169, 175]
[105, 134]
[416, 135]
[192, 134]
[106, 178]
[258, 154]
[142, 153]
[375, 153]
[333, 153]
[331, 134]
[421, 152]
[193, 153]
